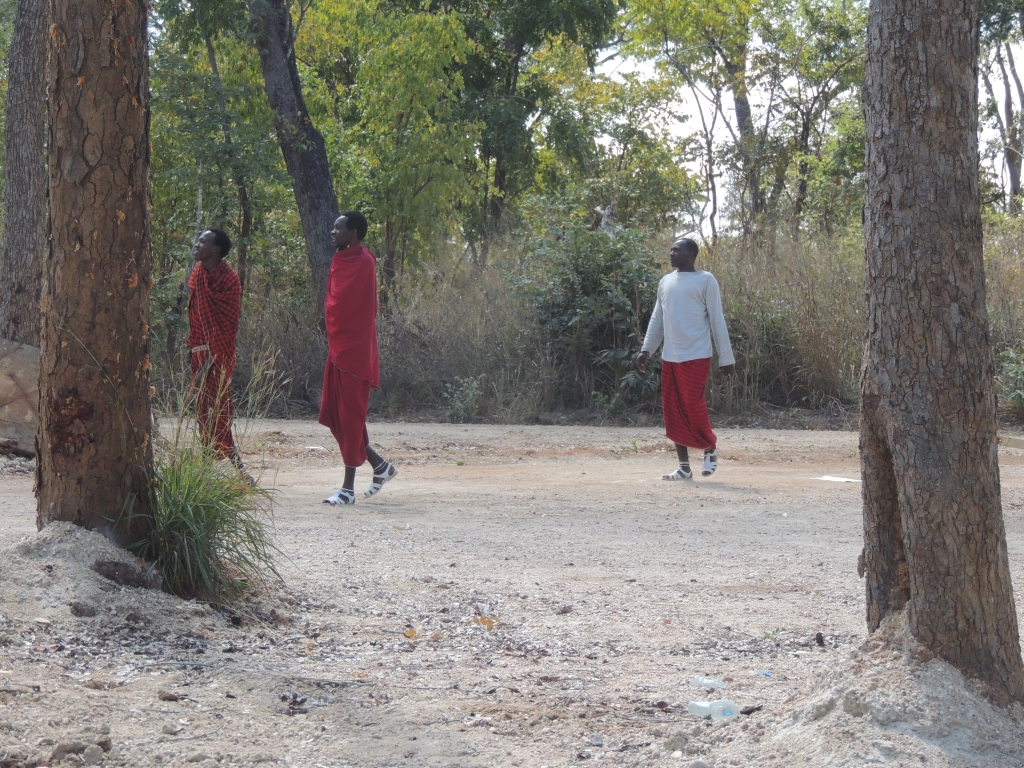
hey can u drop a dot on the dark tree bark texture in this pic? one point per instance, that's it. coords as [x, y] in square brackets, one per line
[25, 223]
[94, 452]
[934, 538]
[305, 154]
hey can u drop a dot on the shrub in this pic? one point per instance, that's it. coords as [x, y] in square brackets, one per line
[592, 295]
[209, 527]
[1011, 380]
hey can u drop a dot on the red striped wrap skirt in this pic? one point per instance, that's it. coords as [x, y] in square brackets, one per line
[684, 405]
[343, 407]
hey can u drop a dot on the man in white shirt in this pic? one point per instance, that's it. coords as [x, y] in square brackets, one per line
[687, 315]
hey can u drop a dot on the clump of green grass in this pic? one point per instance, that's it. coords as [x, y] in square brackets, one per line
[209, 531]
[206, 526]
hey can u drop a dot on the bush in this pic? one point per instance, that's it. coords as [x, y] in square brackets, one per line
[1011, 380]
[209, 527]
[592, 296]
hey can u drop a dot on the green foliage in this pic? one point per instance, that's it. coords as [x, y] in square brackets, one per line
[1011, 379]
[399, 146]
[463, 399]
[592, 295]
[209, 528]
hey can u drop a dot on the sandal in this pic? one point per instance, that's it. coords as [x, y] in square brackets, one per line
[682, 473]
[388, 472]
[710, 462]
[342, 498]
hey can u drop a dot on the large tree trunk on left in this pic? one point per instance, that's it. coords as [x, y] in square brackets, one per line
[25, 224]
[94, 451]
[305, 154]
[934, 541]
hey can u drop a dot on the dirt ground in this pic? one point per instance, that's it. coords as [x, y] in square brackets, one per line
[518, 596]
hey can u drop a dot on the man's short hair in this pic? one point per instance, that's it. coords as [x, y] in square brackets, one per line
[222, 241]
[355, 220]
[689, 247]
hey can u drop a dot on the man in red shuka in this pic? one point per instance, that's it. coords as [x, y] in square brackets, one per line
[353, 366]
[215, 302]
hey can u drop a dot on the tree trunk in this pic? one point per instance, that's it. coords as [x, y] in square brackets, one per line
[735, 63]
[25, 224]
[933, 528]
[305, 154]
[1012, 140]
[241, 184]
[95, 456]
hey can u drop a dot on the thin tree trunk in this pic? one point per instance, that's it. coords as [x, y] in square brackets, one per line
[1012, 141]
[241, 185]
[935, 544]
[174, 323]
[735, 63]
[25, 223]
[305, 154]
[93, 446]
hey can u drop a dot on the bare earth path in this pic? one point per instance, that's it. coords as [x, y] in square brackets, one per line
[526, 596]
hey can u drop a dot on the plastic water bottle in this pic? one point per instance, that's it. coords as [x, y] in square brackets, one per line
[720, 709]
[707, 682]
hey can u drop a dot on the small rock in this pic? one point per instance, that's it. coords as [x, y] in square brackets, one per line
[167, 695]
[563, 610]
[104, 743]
[677, 753]
[822, 708]
[698, 764]
[69, 747]
[93, 755]
[171, 729]
[79, 608]
[595, 740]
[197, 757]
[128, 574]
[854, 704]
[103, 728]
[676, 742]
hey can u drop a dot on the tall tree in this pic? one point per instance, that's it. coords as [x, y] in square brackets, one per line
[933, 528]
[25, 224]
[302, 145]
[94, 451]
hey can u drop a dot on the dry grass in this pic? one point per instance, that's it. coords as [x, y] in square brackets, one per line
[460, 344]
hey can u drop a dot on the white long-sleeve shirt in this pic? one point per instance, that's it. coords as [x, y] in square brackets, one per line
[687, 312]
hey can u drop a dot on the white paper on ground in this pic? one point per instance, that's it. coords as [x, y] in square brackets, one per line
[835, 479]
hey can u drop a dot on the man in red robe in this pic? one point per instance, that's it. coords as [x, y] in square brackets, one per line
[215, 302]
[353, 365]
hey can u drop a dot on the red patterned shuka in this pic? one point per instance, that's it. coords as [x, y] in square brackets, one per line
[215, 302]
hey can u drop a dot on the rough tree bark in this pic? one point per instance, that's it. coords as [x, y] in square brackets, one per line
[93, 444]
[935, 545]
[25, 223]
[305, 154]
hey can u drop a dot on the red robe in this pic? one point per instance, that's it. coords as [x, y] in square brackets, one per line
[215, 303]
[353, 364]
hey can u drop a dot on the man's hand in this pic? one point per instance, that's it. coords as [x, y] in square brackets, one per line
[728, 370]
[641, 361]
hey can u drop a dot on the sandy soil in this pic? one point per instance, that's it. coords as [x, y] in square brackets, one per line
[518, 596]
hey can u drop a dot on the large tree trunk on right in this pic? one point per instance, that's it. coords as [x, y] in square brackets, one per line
[93, 445]
[305, 154]
[935, 545]
[25, 224]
